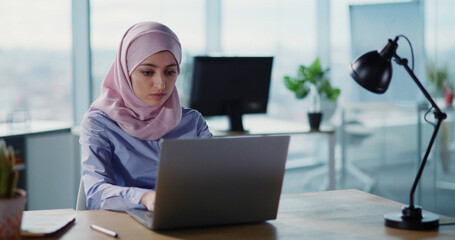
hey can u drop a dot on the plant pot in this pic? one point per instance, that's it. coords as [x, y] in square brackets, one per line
[11, 215]
[315, 120]
[448, 99]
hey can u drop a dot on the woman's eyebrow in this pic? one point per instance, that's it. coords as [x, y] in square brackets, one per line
[153, 65]
[172, 65]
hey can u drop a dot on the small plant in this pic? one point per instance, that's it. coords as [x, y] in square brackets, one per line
[8, 175]
[438, 77]
[312, 79]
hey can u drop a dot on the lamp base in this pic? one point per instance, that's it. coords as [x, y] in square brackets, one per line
[411, 218]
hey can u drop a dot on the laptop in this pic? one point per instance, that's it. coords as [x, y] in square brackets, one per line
[217, 181]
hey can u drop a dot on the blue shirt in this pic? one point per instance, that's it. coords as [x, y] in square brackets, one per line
[117, 168]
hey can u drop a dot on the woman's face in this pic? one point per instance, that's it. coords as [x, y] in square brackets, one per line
[153, 80]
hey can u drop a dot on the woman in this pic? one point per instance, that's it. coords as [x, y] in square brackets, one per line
[138, 106]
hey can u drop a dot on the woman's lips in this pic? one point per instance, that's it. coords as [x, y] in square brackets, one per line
[157, 95]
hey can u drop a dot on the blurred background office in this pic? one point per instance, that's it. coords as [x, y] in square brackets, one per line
[54, 55]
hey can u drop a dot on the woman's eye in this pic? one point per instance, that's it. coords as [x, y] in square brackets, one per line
[147, 73]
[170, 73]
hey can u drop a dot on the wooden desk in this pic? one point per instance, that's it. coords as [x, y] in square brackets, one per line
[261, 125]
[341, 214]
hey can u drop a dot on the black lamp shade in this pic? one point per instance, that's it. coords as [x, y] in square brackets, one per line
[372, 72]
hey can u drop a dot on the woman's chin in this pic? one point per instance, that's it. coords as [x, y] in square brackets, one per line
[155, 103]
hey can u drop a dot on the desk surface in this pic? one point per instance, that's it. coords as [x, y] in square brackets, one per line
[342, 214]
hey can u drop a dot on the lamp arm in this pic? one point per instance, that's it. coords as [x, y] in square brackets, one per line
[424, 161]
[404, 62]
[439, 115]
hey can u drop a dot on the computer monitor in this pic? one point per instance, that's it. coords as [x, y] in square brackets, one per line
[231, 86]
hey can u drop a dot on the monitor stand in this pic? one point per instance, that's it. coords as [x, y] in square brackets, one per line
[234, 112]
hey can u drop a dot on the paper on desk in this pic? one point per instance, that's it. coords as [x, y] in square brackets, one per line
[43, 222]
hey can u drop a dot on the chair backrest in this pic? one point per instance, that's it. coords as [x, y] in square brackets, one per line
[81, 203]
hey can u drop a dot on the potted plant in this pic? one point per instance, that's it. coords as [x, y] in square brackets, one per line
[437, 77]
[12, 200]
[440, 85]
[312, 81]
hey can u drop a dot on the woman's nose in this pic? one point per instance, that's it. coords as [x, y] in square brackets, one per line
[159, 82]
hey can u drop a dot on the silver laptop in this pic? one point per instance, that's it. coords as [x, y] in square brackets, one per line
[217, 181]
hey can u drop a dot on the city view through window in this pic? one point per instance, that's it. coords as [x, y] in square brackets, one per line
[35, 48]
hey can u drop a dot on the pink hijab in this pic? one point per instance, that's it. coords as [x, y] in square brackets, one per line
[118, 99]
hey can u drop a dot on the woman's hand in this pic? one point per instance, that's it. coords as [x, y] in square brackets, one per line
[148, 200]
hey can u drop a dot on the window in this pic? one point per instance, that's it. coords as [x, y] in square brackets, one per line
[284, 29]
[440, 37]
[35, 59]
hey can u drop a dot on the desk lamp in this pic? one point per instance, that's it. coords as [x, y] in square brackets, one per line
[373, 71]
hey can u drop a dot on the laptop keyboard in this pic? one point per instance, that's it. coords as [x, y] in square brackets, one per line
[148, 214]
[143, 216]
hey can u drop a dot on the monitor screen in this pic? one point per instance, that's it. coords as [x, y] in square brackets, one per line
[231, 86]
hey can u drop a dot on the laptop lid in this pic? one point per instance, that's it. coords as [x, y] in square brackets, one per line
[204, 182]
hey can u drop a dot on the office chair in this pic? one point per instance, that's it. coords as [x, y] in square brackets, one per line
[81, 203]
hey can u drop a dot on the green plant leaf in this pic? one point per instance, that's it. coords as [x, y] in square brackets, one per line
[290, 83]
[302, 72]
[438, 77]
[302, 91]
[311, 75]
[8, 175]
